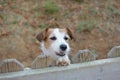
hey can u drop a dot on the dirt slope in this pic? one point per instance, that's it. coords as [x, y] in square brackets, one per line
[96, 24]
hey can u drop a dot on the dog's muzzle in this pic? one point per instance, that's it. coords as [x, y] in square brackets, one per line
[60, 53]
[63, 47]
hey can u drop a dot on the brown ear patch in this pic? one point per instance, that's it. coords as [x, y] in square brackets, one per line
[42, 35]
[70, 33]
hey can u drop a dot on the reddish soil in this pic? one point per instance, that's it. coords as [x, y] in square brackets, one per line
[21, 20]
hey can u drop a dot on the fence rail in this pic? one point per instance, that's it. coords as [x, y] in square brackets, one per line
[42, 61]
[107, 69]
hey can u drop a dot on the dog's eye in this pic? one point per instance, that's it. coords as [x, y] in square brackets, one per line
[66, 38]
[53, 38]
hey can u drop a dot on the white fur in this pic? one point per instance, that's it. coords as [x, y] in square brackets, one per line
[63, 59]
[55, 46]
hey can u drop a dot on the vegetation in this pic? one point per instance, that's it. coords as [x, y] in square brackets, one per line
[95, 23]
[86, 25]
[50, 8]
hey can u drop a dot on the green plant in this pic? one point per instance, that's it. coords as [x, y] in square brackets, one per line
[111, 10]
[1, 16]
[2, 2]
[86, 25]
[80, 1]
[92, 11]
[50, 8]
[42, 25]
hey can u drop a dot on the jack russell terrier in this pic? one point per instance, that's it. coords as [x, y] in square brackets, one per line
[54, 42]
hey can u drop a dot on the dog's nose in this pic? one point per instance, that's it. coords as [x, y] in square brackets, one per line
[63, 47]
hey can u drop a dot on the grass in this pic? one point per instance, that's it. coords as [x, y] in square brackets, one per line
[2, 2]
[50, 8]
[12, 19]
[111, 10]
[1, 16]
[42, 25]
[86, 25]
[92, 11]
[80, 1]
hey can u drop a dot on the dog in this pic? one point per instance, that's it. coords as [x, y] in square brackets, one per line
[54, 42]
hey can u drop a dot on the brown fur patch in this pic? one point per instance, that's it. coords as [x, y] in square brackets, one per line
[42, 35]
[47, 41]
[69, 32]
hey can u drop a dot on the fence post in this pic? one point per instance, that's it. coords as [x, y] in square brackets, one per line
[10, 65]
[114, 52]
[41, 61]
[83, 56]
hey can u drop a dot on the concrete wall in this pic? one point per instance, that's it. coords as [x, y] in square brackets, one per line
[106, 69]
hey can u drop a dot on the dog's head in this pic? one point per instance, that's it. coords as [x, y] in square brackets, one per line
[55, 41]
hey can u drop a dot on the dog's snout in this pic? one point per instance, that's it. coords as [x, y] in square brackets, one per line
[63, 47]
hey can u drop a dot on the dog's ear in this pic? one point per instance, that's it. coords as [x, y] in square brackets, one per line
[70, 33]
[42, 35]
